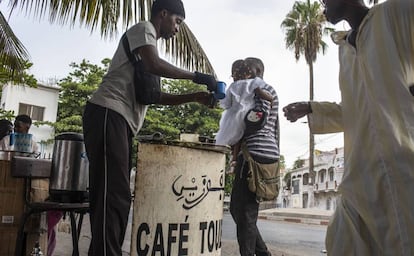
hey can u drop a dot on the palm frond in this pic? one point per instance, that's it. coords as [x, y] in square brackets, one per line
[104, 15]
[304, 26]
[92, 14]
[185, 50]
[13, 55]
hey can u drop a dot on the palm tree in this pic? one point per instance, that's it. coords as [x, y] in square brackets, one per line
[304, 26]
[13, 55]
[104, 15]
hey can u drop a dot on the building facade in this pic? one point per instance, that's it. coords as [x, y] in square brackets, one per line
[318, 189]
[40, 103]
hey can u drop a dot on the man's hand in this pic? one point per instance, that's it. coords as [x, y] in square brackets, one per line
[204, 98]
[297, 110]
[208, 80]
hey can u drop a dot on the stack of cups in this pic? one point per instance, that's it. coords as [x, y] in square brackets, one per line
[21, 142]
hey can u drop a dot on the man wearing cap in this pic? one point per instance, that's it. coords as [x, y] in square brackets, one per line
[113, 116]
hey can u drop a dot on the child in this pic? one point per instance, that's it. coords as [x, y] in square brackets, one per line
[237, 103]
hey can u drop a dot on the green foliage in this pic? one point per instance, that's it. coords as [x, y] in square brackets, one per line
[228, 184]
[85, 78]
[287, 179]
[7, 114]
[187, 118]
[282, 163]
[21, 77]
[299, 163]
[77, 88]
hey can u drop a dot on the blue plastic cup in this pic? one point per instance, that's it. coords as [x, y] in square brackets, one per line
[12, 138]
[220, 92]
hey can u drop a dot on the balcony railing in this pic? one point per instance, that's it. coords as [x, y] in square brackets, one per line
[326, 186]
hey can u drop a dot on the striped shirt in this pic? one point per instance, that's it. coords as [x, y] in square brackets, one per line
[264, 143]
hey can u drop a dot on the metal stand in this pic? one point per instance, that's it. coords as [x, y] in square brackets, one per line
[38, 207]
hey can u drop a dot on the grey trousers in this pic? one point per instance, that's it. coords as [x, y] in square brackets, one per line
[108, 141]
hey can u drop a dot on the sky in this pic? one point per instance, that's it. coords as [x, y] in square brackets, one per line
[227, 30]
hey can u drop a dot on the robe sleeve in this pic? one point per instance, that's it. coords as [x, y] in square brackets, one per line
[326, 117]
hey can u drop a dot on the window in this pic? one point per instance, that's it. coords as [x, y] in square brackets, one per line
[331, 174]
[306, 179]
[35, 112]
[322, 176]
[295, 186]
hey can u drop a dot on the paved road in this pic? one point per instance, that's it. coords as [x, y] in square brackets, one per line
[293, 238]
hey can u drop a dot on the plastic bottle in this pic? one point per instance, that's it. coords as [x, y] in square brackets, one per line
[36, 250]
[12, 141]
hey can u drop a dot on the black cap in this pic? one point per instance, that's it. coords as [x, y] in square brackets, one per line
[173, 6]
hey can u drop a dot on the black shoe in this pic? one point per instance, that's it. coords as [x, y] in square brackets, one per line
[264, 254]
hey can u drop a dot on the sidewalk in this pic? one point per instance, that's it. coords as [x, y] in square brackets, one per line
[229, 247]
[64, 247]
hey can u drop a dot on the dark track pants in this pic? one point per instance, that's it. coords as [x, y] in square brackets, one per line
[108, 141]
[244, 209]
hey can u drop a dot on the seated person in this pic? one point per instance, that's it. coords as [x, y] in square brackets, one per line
[22, 125]
[6, 127]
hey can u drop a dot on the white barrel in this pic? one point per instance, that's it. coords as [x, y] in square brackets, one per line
[178, 206]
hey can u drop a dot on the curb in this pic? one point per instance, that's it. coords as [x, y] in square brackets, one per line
[296, 218]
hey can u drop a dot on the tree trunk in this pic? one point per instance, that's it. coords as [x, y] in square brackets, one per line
[311, 136]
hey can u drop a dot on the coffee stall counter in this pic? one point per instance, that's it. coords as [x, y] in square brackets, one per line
[12, 205]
